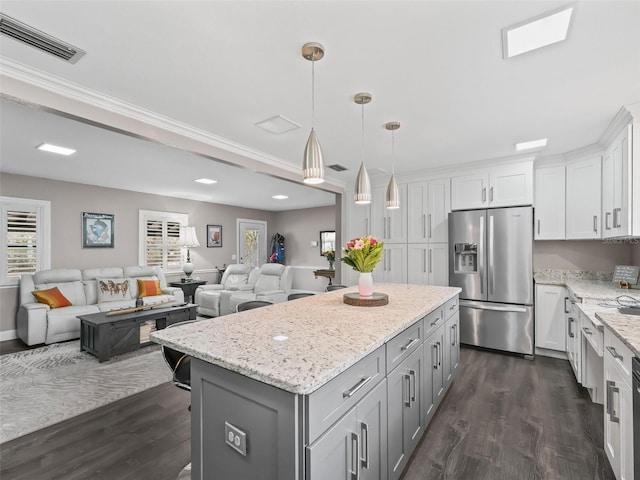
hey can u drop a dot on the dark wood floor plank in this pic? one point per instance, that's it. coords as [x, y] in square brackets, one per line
[504, 418]
[510, 418]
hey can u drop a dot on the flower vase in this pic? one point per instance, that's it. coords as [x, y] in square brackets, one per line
[330, 265]
[365, 284]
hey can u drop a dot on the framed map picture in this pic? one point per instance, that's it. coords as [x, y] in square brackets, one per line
[97, 230]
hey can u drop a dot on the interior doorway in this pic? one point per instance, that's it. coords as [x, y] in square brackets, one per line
[252, 242]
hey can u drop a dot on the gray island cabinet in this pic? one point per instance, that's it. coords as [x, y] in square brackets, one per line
[316, 389]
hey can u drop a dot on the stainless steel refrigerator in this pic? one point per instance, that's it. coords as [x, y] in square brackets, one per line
[491, 259]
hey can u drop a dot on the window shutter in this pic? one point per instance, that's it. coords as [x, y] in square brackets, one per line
[22, 243]
[174, 252]
[159, 238]
[154, 243]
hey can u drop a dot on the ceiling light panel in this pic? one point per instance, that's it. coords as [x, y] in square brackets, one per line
[531, 144]
[280, 197]
[48, 147]
[547, 29]
[278, 125]
[206, 181]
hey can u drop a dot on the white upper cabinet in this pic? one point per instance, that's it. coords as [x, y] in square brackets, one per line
[500, 186]
[389, 225]
[617, 186]
[469, 191]
[428, 207]
[584, 179]
[549, 201]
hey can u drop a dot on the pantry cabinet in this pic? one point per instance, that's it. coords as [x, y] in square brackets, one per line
[389, 225]
[428, 264]
[428, 207]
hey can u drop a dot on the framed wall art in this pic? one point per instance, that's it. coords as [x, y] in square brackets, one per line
[97, 230]
[214, 235]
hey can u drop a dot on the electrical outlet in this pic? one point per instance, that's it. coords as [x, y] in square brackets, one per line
[314, 243]
[235, 438]
[233, 257]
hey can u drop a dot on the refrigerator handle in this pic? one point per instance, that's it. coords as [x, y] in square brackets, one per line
[481, 255]
[490, 256]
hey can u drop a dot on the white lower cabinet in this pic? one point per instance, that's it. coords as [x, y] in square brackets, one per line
[356, 446]
[393, 267]
[573, 339]
[405, 419]
[550, 317]
[618, 406]
[428, 264]
[452, 347]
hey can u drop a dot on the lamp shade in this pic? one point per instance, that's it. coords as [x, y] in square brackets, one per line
[313, 162]
[393, 194]
[188, 237]
[362, 194]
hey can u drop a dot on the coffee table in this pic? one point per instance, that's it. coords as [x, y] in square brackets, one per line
[104, 335]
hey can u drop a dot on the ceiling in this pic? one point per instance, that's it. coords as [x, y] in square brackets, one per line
[222, 66]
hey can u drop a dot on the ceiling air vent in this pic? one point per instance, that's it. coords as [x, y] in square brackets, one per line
[337, 167]
[40, 40]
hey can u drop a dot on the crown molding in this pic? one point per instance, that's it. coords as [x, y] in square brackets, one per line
[624, 117]
[78, 93]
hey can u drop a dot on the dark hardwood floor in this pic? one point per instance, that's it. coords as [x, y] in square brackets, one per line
[13, 346]
[504, 418]
[507, 418]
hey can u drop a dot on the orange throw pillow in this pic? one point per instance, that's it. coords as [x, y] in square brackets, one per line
[52, 297]
[149, 288]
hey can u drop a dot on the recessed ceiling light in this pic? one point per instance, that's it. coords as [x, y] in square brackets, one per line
[47, 147]
[532, 144]
[206, 181]
[278, 125]
[280, 338]
[547, 29]
[280, 197]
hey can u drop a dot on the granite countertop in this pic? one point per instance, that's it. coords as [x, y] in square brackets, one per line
[598, 301]
[625, 327]
[324, 335]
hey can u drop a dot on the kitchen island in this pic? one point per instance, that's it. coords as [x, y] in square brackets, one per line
[318, 389]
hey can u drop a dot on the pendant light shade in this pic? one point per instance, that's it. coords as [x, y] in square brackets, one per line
[363, 186]
[393, 194]
[313, 161]
[362, 192]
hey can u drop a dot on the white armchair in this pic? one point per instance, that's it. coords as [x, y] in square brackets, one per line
[234, 279]
[272, 284]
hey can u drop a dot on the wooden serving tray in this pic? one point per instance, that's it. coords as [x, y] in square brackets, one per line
[376, 300]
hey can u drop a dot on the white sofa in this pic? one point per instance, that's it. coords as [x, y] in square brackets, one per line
[38, 323]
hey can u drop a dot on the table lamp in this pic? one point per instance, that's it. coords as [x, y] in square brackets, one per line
[189, 240]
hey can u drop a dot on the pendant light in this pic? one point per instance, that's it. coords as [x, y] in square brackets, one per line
[363, 184]
[393, 194]
[313, 162]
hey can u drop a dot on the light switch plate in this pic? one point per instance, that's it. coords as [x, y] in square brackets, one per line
[235, 438]
[314, 243]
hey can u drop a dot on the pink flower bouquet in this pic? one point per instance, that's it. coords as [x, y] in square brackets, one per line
[363, 253]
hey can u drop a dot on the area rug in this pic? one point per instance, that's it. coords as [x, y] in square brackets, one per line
[50, 384]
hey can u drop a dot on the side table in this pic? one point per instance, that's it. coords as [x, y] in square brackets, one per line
[189, 288]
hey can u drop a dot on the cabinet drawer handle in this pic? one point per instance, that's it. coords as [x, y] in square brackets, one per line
[484, 195]
[538, 227]
[436, 321]
[452, 307]
[491, 194]
[364, 435]
[430, 262]
[430, 226]
[434, 347]
[615, 354]
[407, 399]
[412, 396]
[609, 384]
[606, 220]
[410, 344]
[614, 418]
[571, 320]
[616, 217]
[587, 331]
[352, 391]
[355, 460]
[595, 223]
[424, 226]
[439, 354]
[565, 305]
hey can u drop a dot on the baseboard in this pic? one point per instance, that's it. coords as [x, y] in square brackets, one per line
[8, 335]
[544, 352]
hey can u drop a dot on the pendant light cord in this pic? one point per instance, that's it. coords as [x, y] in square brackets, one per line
[362, 141]
[313, 94]
[393, 152]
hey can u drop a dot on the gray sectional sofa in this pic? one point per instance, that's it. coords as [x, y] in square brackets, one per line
[89, 291]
